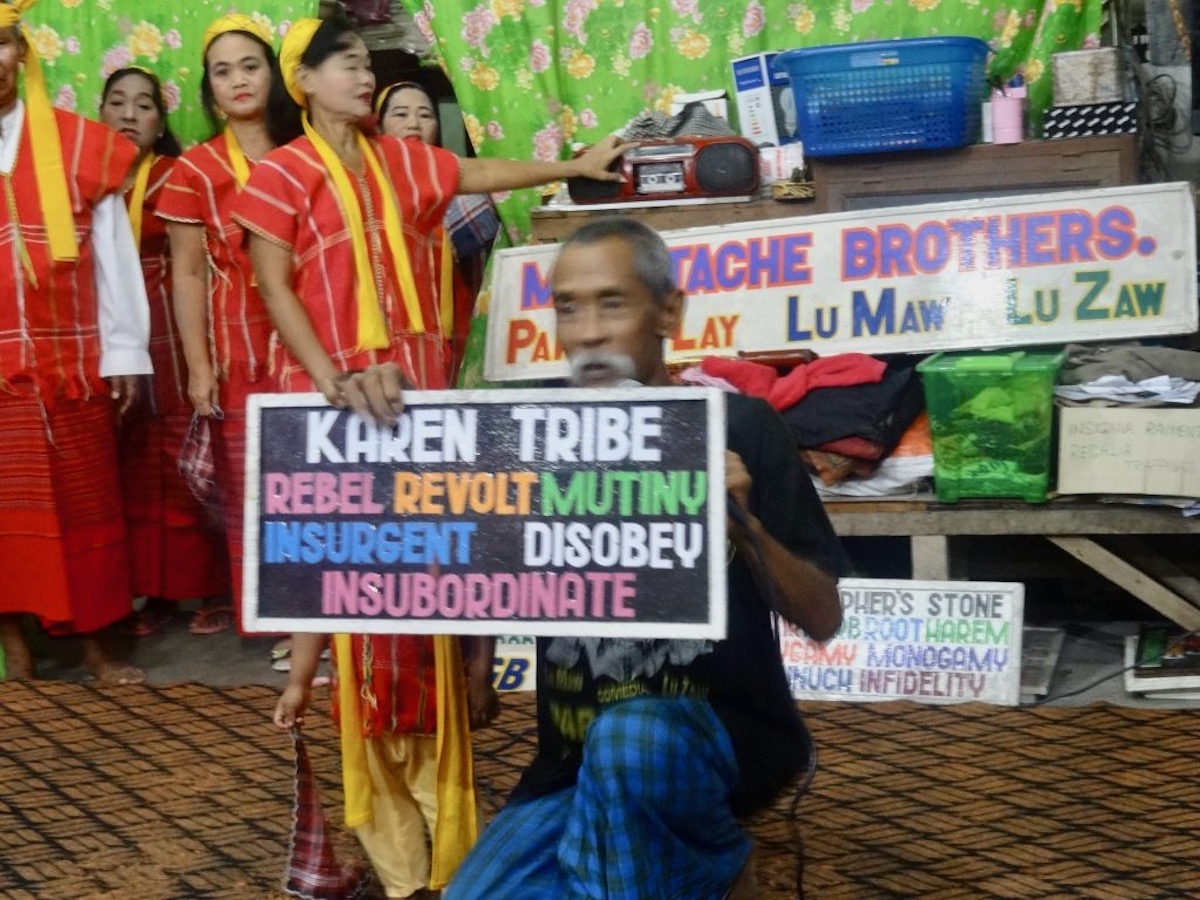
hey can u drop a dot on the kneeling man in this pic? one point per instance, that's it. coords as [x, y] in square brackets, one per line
[639, 797]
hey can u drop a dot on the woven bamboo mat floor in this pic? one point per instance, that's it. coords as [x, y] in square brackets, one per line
[184, 792]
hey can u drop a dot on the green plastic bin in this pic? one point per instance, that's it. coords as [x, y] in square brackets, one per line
[991, 416]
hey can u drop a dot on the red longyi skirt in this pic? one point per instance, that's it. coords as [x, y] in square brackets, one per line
[63, 551]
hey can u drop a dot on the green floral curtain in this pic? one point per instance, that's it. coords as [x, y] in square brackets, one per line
[81, 42]
[534, 76]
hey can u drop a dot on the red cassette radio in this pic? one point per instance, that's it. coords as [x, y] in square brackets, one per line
[676, 169]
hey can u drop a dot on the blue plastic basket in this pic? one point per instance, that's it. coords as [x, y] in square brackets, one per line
[882, 96]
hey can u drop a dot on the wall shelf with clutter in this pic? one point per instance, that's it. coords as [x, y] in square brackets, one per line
[1111, 540]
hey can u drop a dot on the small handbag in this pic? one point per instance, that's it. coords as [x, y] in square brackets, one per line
[197, 463]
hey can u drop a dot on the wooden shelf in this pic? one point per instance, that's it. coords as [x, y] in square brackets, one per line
[1132, 562]
[980, 170]
[551, 224]
[895, 179]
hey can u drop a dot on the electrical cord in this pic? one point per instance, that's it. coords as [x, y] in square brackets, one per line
[1162, 132]
[756, 560]
[1049, 698]
[1163, 120]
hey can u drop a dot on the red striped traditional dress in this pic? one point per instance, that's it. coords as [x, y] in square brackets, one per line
[202, 190]
[62, 532]
[175, 551]
[290, 199]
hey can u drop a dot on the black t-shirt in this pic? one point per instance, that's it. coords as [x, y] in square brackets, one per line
[741, 676]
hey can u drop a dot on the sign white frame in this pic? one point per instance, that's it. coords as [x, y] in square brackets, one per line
[708, 454]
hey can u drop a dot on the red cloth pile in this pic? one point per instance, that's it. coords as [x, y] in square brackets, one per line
[785, 391]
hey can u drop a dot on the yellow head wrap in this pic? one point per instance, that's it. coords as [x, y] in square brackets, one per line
[295, 43]
[387, 92]
[372, 331]
[236, 22]
[47, 148]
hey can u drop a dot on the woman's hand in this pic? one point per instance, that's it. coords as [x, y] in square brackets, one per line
[203, 390]
[376, 393]
[333, 387]
[293, 702]
[594, 162]
[124, 390]
[483, 703]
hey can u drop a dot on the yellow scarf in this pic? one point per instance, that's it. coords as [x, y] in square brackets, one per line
[372, 331]
[356, 779]
[237, 159]
[137, 196]
[446, 286]
[446, 274]
[456, 828]
[49, 171]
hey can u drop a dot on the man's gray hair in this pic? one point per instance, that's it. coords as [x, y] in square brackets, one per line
[651, 259]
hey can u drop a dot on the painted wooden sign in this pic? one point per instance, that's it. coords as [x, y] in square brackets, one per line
[1091, 265]
[929, 641]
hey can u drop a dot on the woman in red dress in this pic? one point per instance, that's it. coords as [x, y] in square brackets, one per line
[408, 111]
[343, 232]
[175, 551]
[73, 333]
[223, 324]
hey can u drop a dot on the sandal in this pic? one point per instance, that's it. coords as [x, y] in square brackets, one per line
[211, 620]
[281, 650]
[281, 656]
[148, 620]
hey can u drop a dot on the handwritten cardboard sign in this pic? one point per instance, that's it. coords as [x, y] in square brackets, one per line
[1050, 268]
[929, 641]
[523, 512]
[1104, 450]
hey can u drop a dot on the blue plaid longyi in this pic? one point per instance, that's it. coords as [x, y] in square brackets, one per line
[647, 818]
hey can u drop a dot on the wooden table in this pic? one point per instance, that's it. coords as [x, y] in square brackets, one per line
[1073, 527]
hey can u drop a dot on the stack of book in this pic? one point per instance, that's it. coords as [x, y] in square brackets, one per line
[1040, 650]
[1163, 662]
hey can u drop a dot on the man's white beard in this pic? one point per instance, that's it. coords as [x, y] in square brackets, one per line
[619, 366]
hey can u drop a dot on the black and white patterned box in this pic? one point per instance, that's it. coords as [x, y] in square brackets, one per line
[1091, 119]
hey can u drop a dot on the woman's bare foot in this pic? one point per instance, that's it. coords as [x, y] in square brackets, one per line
[104, 668]
[18, 660]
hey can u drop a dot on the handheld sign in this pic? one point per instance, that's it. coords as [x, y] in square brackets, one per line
[522, 512]
[928, 641]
